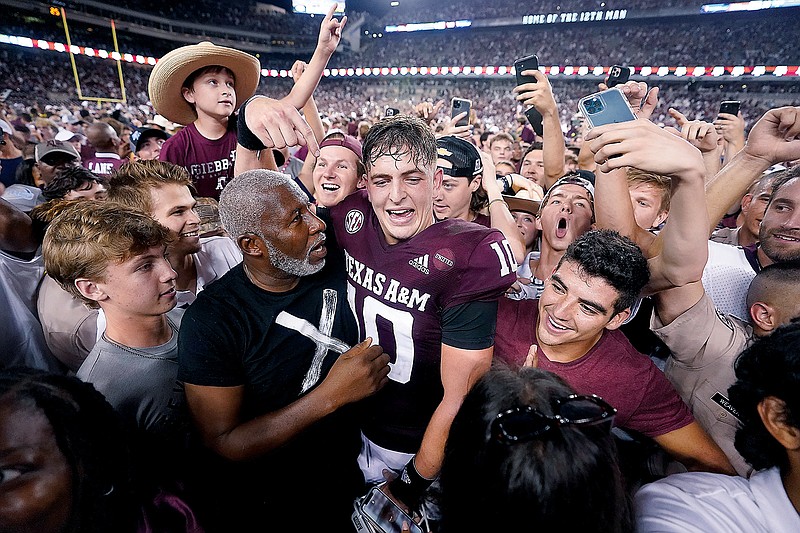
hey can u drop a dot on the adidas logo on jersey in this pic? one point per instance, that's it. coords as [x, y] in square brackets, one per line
[420, 263]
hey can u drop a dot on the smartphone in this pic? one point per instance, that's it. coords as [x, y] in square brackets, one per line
[730, 106]
[606, 107]
[618, 75]
[522, 64]
[460, 105]
[391, 111]
[386, 514]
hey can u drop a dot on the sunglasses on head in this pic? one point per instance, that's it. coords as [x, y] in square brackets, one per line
[521, 424]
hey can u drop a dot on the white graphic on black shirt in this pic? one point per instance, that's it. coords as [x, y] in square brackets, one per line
[320, 336]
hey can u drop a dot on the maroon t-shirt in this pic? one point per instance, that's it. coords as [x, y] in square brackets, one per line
[104, 164]
[645, 400]
[209, 162]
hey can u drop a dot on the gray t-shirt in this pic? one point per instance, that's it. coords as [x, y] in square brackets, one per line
[140, 383]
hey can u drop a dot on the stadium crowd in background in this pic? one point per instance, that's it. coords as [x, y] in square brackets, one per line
[270, 287]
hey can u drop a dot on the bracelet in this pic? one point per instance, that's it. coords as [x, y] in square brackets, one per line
[409, 486]
[245, 137]
[496, 200]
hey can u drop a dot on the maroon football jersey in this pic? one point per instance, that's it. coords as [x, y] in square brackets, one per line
[398, 294]
[209, 162]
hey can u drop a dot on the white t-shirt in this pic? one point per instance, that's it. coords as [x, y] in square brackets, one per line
[700, 502]
[217, 255]
[727, 278]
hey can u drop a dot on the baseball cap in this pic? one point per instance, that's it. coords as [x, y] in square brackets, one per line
[578, 177]
[518, 203]
[6, 128]
[54, 148]
[66, 135]
[160, 121]
[340, 139]
[464, 159]
[140, 135]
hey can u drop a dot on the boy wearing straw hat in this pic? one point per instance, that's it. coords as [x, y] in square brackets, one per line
[200, 86]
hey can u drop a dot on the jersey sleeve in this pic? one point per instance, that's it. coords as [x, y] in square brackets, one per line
[490, 271]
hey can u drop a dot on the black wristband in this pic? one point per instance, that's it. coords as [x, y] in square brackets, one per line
[244, 136]
[409, 486]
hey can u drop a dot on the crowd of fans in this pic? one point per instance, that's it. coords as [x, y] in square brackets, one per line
[232, 290]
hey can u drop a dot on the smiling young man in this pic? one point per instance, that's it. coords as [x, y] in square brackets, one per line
[573, 330]
[162, 190]
[427, 292]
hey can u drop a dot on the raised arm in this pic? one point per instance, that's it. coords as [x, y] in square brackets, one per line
[330, 34]
[540, 96]
[773, 139]
[680, 250]
[731, 128]
[499, 215]
[704, 137]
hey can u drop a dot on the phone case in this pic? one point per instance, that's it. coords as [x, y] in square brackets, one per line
[385, 513]
[459, 105]
[606, 107]
[535, 120]
[730, 106]
[522, 64]
[618, 75]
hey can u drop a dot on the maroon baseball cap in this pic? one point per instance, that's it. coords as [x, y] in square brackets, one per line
[340, 139]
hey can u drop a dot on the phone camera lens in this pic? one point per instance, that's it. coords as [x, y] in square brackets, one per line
[594, 106]
[456, 104]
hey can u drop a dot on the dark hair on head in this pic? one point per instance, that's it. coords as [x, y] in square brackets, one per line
[536, 145]
[490, 485]
[211, 69]
[24, 174]
[68, 179]
[606, 254]
[768, 367]
[782, 180]
[397, 136]
[93, 440]
[774, 283]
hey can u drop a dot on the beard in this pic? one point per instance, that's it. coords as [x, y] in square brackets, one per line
[291, 265]
[776, 252]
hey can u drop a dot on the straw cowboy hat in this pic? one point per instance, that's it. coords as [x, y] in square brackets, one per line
[167, 77]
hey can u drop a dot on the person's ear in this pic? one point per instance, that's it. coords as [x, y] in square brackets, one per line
[662, 216]
[618, 319]
[747, 199]
[474, 184]
[763, 316]
[90, 289]
[437, 178]
[772, 411]
[188, 94]
[251, 244]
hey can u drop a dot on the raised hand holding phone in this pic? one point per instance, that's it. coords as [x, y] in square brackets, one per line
[606, 107]
[525, 69]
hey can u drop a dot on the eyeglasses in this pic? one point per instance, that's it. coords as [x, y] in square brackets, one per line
[521, 424]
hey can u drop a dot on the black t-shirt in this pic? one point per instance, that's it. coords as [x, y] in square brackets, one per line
[236, 334]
